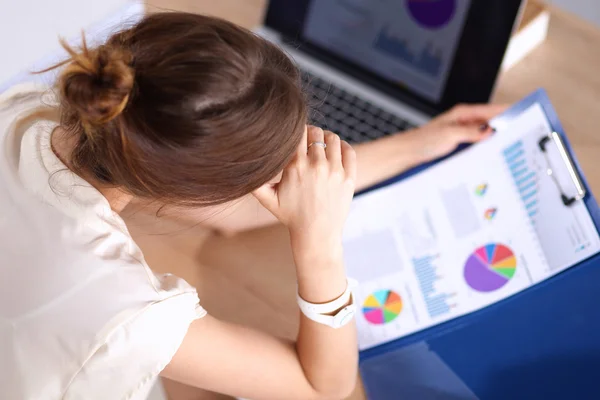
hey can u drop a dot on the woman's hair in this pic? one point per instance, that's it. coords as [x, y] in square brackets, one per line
[182, 108]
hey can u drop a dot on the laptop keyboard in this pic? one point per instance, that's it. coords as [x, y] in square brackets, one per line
[354, 119]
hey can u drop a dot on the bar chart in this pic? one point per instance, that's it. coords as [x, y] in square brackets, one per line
[429, 61]
[524, 177]
[437, 301]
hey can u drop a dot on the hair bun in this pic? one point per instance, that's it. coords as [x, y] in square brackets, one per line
[97, 83]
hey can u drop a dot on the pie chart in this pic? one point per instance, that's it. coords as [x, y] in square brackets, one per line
[490, 213]
[382, 307]
[432, 14]
[490, 267]
[480, 190]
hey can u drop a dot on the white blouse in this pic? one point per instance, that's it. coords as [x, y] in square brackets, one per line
[81, 314]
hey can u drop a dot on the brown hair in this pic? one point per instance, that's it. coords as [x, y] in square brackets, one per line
[182, 108]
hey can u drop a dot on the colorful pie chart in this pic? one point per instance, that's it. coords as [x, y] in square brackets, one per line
[490, 267]
[382, 307]
[490, 213]
[481, 190]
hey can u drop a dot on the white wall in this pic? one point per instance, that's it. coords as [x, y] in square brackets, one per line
[587, 9]
[29, 30]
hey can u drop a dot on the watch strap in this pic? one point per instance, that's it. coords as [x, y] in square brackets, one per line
[340, 319]
[329, 307]
[343, 307]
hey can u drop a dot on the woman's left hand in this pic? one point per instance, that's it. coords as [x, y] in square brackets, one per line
[462, 124]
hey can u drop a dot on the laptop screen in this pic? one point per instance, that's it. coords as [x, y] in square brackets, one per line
[430, 54]
[411, 43]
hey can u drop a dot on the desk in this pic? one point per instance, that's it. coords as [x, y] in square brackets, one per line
[254, 272]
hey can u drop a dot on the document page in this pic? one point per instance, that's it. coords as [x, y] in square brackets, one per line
[468, 232]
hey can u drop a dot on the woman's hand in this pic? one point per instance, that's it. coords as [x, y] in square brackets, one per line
[314, 195]
[312, 199]
[462, 124]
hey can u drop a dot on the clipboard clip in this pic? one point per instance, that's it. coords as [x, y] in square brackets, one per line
[570, 165]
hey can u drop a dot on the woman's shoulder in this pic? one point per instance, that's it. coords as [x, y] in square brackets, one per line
[88, 317]
[87, 326]
[147, 337]
[21, 95]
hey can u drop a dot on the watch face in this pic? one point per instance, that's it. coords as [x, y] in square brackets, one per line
[344, 316]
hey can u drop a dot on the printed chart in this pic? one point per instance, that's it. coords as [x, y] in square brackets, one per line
[437, 301]
[523, 176]
[432, 14]
[490, 267]
[481, 190]
[466, 241]
[490, 213]
[382, 307]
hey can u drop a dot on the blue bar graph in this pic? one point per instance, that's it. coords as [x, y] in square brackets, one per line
[429, 61]
[435, 301]
[525, 188]
[513, 157]
[518, 164]
[532, 213]
[513, 147]
[531, 205]
[528, 196]
[526, 179]
[520, 172]
[523, 176]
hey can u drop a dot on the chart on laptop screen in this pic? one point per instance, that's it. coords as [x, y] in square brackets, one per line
[411, 42]
[464, 234]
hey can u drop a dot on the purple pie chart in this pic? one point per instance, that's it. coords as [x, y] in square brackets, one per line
[490, 267]
[432, 14]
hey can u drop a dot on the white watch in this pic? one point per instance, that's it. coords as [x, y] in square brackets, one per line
[318, 312]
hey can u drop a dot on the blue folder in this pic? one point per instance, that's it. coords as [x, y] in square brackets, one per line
[542, 343]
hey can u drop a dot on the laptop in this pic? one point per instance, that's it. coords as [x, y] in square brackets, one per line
[375, 67]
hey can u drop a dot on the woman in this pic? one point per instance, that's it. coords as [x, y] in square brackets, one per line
[192, 113]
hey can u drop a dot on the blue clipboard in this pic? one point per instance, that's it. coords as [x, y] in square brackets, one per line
[542, 343]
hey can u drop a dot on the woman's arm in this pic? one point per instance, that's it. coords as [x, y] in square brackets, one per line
[243, 362]
[387, 157]
[312, 200]
[381, 159]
